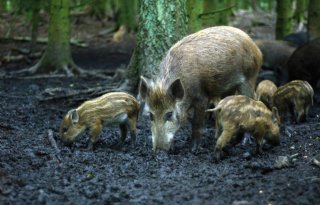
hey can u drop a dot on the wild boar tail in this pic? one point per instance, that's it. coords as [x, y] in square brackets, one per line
[214, 109]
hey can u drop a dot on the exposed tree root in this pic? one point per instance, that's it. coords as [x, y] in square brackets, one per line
[119, 84]
[70, 70]
[73, 41]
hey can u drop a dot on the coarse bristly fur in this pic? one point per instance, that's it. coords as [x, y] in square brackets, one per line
[295, 97]
[238, 114]
[116, 107]
[265, 91]
[202, 67]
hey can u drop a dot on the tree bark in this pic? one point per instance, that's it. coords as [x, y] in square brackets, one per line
[284, 18]
[127, 14]
[299, 11]
[161, 24]
[57, 56]
[194, 9]
[314, 19]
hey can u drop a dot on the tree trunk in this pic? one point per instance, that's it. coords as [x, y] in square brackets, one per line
[284, 18]
[194, 9]
[299, 11]
[58, 53]
[161, 24]
[127, 14]
[99, 9]
[209, 18]
[243, 4]
[271, 5]
[314, 19]
[35, 6]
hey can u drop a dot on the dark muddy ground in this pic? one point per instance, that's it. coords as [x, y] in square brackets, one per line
[31, 173]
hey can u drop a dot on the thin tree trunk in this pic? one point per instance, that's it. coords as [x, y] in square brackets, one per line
[57, 56]
[35, 24]
[284, 18]
[194, 8]
[314, 19]
[161, 24]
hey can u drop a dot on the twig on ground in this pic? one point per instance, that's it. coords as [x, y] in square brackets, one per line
[54, 145]
[316, 162]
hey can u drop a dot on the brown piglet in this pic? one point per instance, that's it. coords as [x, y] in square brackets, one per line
[238, 114]
[295, 97]
[265, 91]
[111, 108]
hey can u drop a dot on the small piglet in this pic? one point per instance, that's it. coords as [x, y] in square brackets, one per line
[295, 97]
[238, 114]
[265, 91]
[116, 107]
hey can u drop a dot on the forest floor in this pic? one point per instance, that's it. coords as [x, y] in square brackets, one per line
[32, 172]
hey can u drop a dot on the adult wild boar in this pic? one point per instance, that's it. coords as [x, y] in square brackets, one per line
[304, 63]
[275, 56]
[202, 67]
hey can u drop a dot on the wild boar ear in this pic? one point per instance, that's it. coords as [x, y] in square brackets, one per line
[74, 116]
[144, 87]
[176, 90]
[275, 115]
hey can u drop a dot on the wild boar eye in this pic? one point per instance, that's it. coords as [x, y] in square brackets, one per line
[168, 116]
[151, 116]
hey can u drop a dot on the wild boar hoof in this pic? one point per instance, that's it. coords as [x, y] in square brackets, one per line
[216, 158]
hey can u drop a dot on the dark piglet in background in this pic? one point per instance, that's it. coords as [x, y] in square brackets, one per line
[201, 68]
[238, 114]
[295, 97]
[304, 63]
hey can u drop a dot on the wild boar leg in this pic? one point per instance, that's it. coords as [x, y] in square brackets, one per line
[246, 89]
[218, 128]
[95, 130]
[123, 134]
[132, 127]
[259, 140]
[198, 121]
[225, 137]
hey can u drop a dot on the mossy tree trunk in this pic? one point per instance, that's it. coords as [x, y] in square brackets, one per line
[243, 4]
[57, 56]
[35, 17]
[314, 19]
[271, 5]
[284, 18]
[98, 8]
[217, 12]
[299, 11]
[161, 24]
[127, 18]
[194, 9]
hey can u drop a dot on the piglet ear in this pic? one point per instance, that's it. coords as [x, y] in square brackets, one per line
[144, 87]
[74, 116]
[176, 90]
